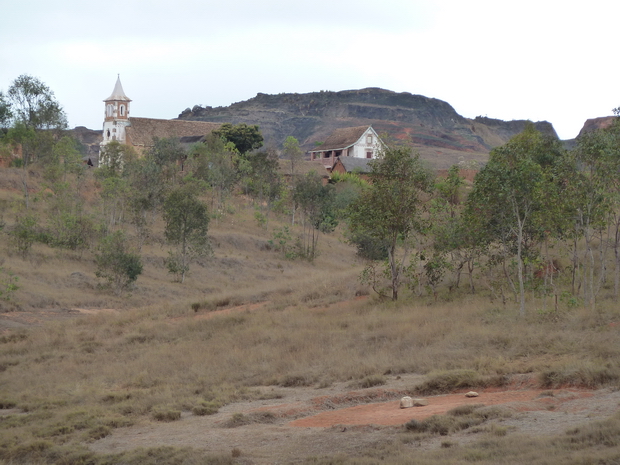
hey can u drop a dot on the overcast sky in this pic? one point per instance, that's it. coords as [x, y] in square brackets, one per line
[539, 60]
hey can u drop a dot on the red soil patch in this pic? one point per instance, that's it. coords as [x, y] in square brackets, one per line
[390, 413]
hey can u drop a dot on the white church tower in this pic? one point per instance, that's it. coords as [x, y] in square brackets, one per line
[116, 115]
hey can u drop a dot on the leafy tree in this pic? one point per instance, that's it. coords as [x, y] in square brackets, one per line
[316, 203]
[246, 138]
[509, 200]
[66, 159]
[5, 111]
[33, 103]
[24, 233]
[168, 154]
[113, 158]
[8, 284]
[294, 155]
[116, 263]
[261, 178]
[391, 208]
[215, 162]
[69, 227]
[187, 222]
[596, 201]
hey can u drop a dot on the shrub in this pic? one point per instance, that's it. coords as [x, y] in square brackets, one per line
[448, 381]
[205, 408]
[116, 263]
[167, 415]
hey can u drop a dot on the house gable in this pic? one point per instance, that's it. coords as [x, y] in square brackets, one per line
[357, 142]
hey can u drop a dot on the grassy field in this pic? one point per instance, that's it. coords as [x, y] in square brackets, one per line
[155, 354]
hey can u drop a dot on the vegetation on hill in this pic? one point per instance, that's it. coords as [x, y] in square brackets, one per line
[153, 245]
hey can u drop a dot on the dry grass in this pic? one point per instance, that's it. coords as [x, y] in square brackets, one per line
[77, 379]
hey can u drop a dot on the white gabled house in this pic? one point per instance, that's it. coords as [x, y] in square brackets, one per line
[357, 142]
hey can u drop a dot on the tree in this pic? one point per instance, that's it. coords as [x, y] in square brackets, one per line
[215, 161]
[5, 111]
[390, 210]
[34, 104]
[316, 202]
[261, 179]
[187, 222]
[24, 233]
[116, 263]
[246, 138]
[595, 202]
[65, 159]
[113, 158]
[294, 155]
[168, 154]
[509, 199]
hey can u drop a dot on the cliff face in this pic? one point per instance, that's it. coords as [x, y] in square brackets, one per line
[436, 130]
[593, 124]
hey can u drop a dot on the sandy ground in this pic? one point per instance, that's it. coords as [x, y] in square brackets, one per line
[310, 422]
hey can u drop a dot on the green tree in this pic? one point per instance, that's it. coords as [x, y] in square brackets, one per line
[113, 158]
[246, 138]
[215, 161]
[316, 203]
[596, 201]
[509, 199]
[391, 209]
[34, 104]
[116, 263]
[294, 156]
[24, 233]
[187, 222]
[169, 155]
[66, 159]
[5, 111]
[8, 284]
[261, 179]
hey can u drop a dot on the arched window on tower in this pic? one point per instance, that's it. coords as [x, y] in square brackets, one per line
[122, 110]
[109, 109]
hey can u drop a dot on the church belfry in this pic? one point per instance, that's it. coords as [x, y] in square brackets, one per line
[116, 115]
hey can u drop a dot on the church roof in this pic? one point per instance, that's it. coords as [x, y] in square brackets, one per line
[142, 131]
[342, 138]
[118, 93]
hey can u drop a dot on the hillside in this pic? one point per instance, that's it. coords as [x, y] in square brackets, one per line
[437, 131]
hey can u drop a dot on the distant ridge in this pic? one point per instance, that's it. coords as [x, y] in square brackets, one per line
[436, 130]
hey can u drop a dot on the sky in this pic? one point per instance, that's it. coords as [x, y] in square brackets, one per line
[542, 60]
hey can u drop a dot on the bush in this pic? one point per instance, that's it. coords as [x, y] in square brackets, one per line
[167, 415]
[447, 381]
[205, 408]
[8, 284]
[116, 264]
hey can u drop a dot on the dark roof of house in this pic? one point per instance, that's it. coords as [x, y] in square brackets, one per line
[342, 138]
[303, 167]
[142, 131]
[352, 164]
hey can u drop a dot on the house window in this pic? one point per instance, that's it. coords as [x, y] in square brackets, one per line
[369, 139]
[369, 154]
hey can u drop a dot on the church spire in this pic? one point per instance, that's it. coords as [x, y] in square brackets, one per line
[118, 94]
[116, 117]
